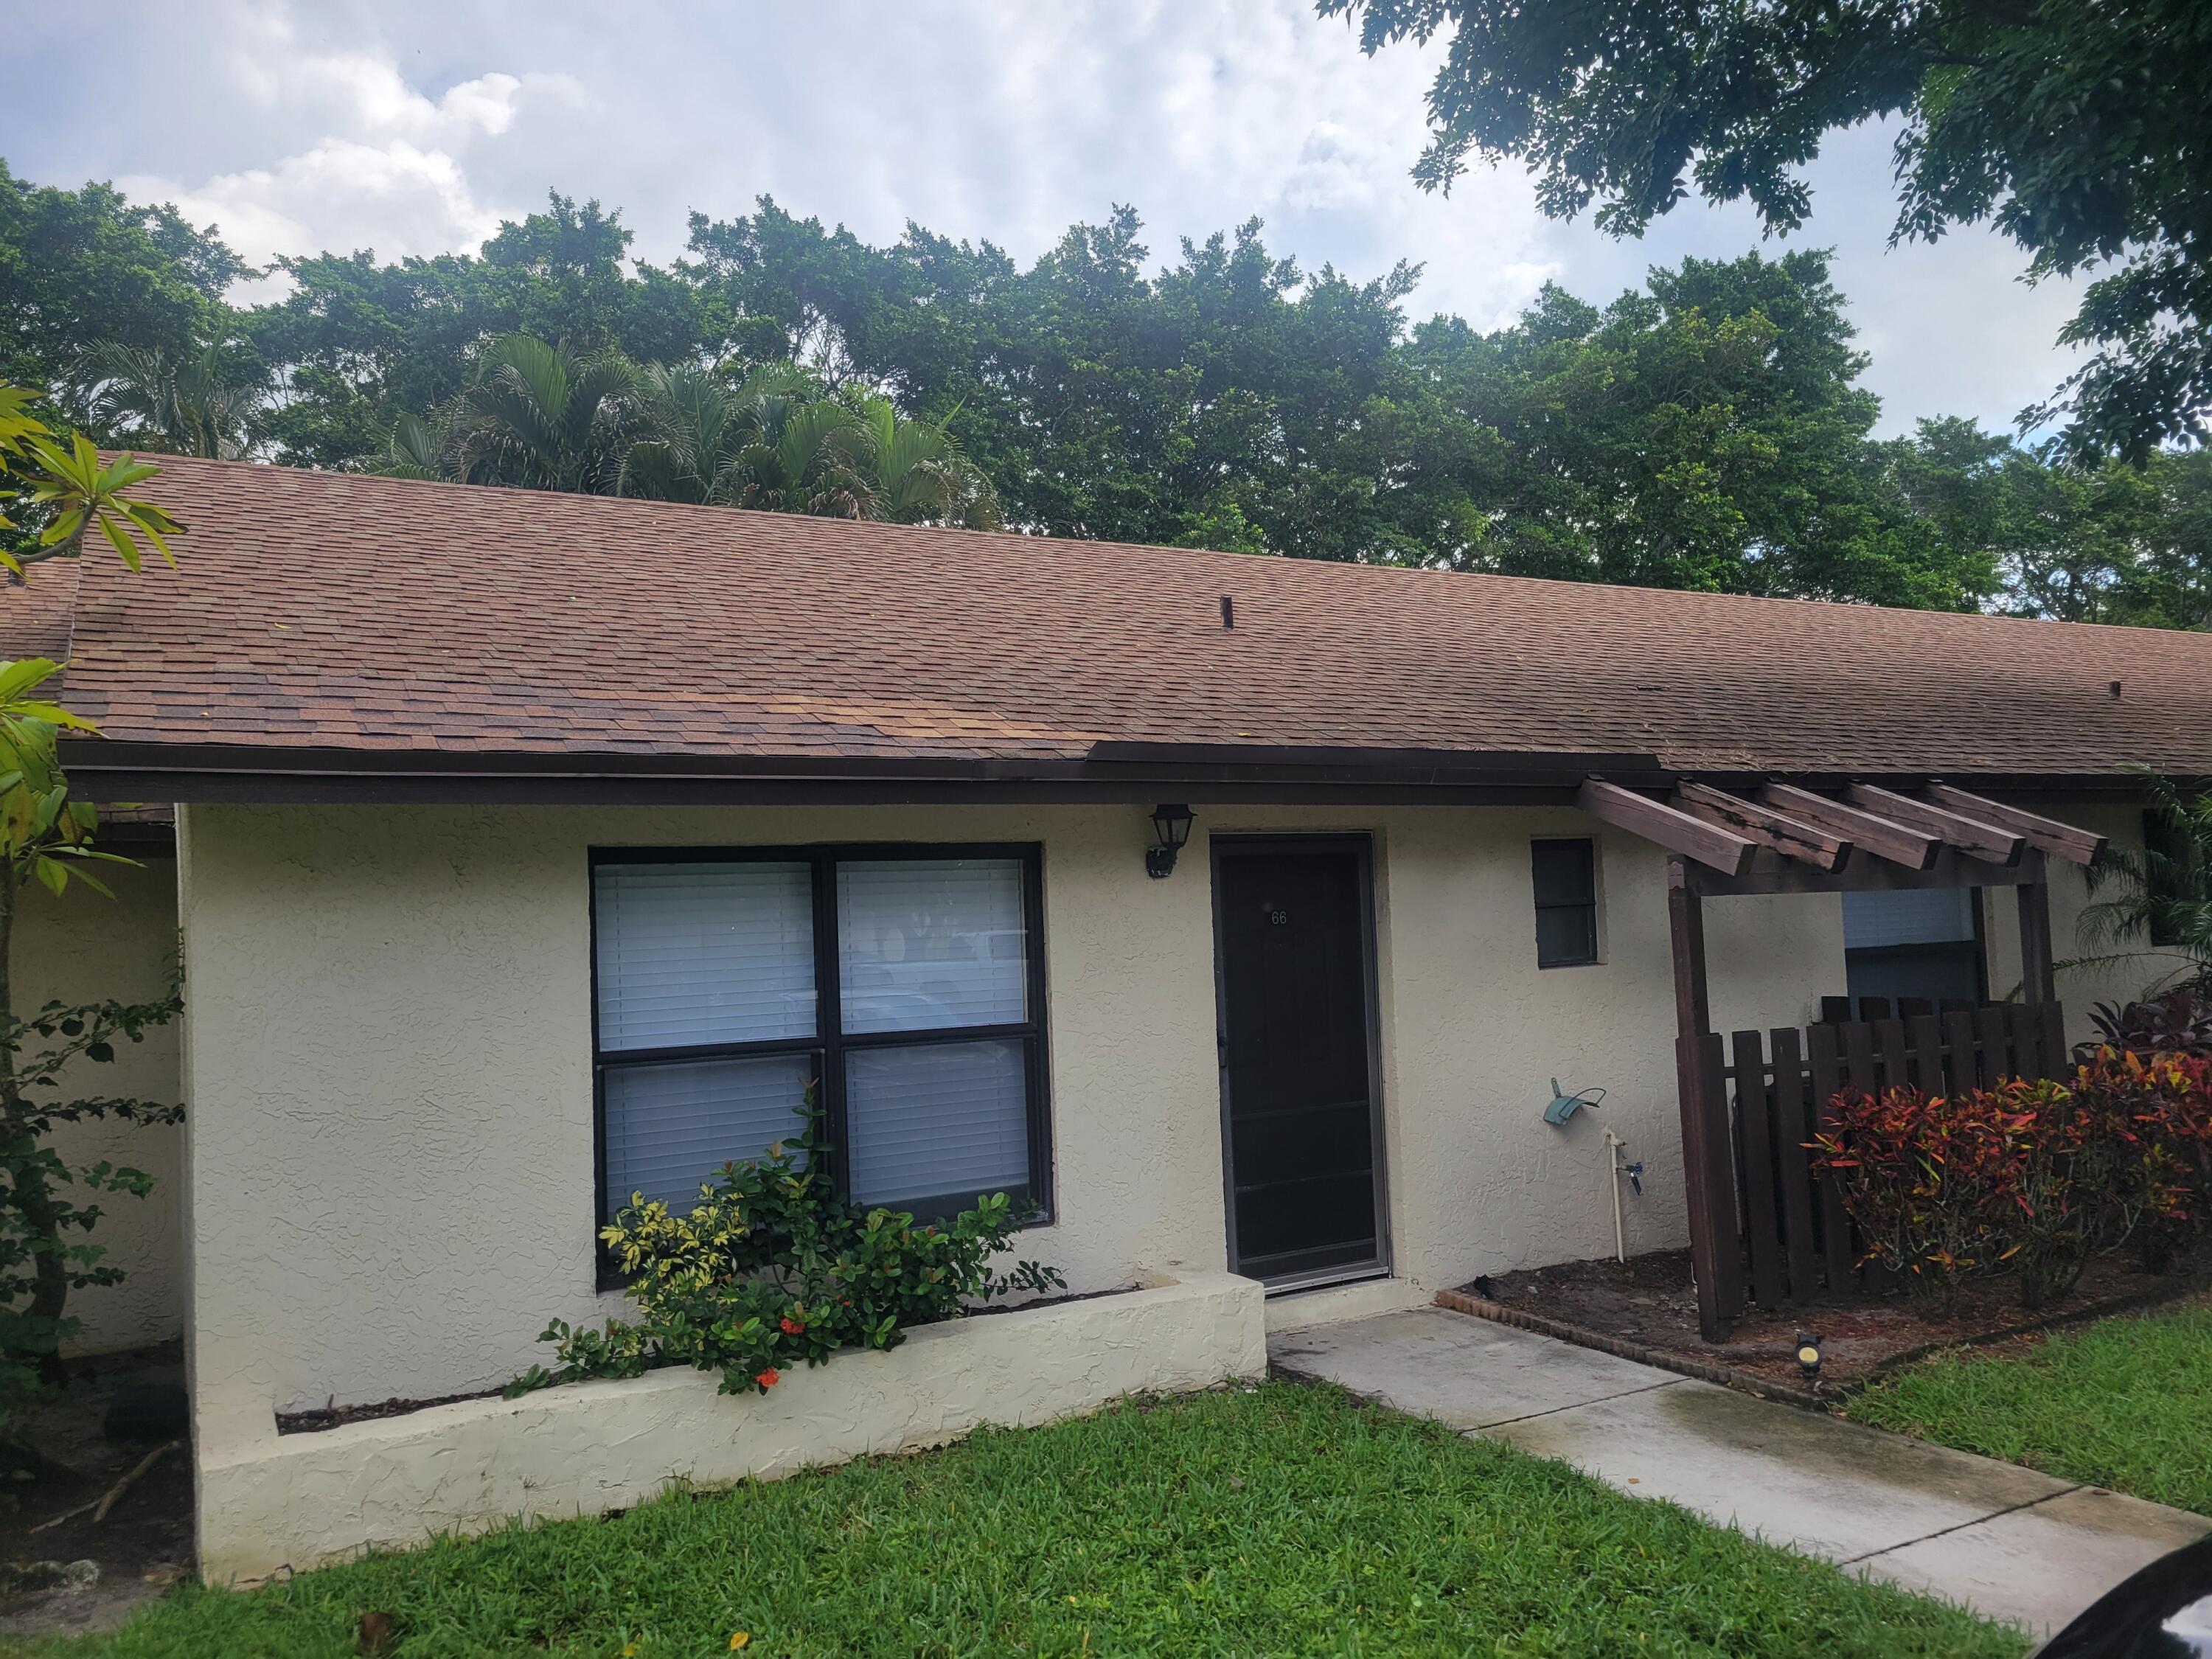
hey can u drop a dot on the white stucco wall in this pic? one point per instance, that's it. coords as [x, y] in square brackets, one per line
[389, 1046]
[2080, 987]
[82, 947]
[388, 1061]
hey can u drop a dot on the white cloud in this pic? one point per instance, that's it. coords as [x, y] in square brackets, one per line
[393, 196]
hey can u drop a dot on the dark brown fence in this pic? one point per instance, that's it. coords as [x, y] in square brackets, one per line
[1765, 1097]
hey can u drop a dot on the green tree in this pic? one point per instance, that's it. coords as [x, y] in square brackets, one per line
[1707, 433]
[2079, 131]
[85, 267]
[2105, 541]
[360, 344]
[46, 837]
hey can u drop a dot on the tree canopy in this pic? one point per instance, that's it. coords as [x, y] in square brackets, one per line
[1706, 429]
[2079, 131]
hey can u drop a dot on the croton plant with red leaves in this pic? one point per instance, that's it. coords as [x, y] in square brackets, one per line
[2029, 1177]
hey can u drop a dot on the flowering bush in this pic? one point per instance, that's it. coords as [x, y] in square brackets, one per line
[773, 1267]
[2027, 1177]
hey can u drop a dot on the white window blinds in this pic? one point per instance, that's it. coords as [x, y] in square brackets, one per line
[930, 944]
[937, 1120]
[1923, 915]
[691, 955]
[670, 1125]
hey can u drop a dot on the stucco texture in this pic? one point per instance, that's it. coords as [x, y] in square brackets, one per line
[389, 1040]
[308, 1499]
[2091, 969]
[80, 946]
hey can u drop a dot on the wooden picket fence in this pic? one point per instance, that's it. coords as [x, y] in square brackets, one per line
[1764, 1097]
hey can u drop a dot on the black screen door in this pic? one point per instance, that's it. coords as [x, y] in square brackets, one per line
[1293, 936]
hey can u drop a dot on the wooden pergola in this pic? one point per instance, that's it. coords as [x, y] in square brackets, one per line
[1794, 840]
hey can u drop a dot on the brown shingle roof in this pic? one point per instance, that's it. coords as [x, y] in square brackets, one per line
[331, 610]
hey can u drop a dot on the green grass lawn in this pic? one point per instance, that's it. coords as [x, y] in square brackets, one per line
[2125, 1403]
[1279, 1520]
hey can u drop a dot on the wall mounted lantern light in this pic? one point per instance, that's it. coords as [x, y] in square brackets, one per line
[1172, 826]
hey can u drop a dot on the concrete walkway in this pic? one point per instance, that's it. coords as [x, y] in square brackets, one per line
[2012, 1544]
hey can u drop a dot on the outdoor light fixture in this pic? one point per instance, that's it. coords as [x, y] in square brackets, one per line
[1808, 1356]
[1172, 826]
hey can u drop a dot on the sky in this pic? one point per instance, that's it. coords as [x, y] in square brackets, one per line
[416, 126]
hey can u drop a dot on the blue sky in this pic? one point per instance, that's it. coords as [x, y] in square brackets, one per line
[413, 127]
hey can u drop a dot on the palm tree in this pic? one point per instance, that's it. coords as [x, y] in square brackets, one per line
[803, 455]
[2164, 897]
[417, 449]
[695, 426]
[148, 398]
[538, 418]
[920, 476]
[777, 440]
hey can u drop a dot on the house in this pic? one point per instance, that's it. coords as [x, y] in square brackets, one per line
[532, 850]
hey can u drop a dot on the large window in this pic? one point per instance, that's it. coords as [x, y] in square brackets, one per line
[1921, 943]
[909, 981]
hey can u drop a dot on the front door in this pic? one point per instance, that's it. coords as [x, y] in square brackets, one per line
[1293, 936]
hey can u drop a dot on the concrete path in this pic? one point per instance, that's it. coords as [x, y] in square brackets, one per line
[2006, 1541]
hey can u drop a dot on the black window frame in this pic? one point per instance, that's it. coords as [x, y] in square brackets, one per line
[830, 1043]
[2166, 839]
[1588, 844]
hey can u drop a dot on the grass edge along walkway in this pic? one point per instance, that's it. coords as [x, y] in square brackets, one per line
[1282, 1518]
[2123, 1402]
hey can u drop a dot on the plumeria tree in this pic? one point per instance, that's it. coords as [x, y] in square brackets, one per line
[62, 490]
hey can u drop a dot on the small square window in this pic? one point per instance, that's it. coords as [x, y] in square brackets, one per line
[1565, 873]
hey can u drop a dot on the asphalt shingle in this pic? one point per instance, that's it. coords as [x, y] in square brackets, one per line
[335, 610]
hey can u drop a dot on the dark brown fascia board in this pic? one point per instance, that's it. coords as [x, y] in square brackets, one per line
[122, 770]
[1116, 751]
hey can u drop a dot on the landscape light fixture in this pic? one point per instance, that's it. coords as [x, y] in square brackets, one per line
[1172, 823]
[1808, 1356]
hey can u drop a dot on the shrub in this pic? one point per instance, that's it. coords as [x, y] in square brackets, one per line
[2028, 1177]
[2176, 1022]
[1919, 1174]
[2154, 1118]
[773, 1267]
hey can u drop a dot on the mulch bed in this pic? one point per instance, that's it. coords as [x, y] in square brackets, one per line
[1646, 1308]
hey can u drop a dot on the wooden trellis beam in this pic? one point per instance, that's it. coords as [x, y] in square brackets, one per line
[1670, 828]
[2063, 841]
[1971, 836]
[1794, 837]
[1885, 838]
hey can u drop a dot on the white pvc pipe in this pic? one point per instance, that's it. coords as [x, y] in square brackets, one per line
[1613, 1144]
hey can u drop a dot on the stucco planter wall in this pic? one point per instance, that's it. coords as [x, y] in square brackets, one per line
[302, 1500]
